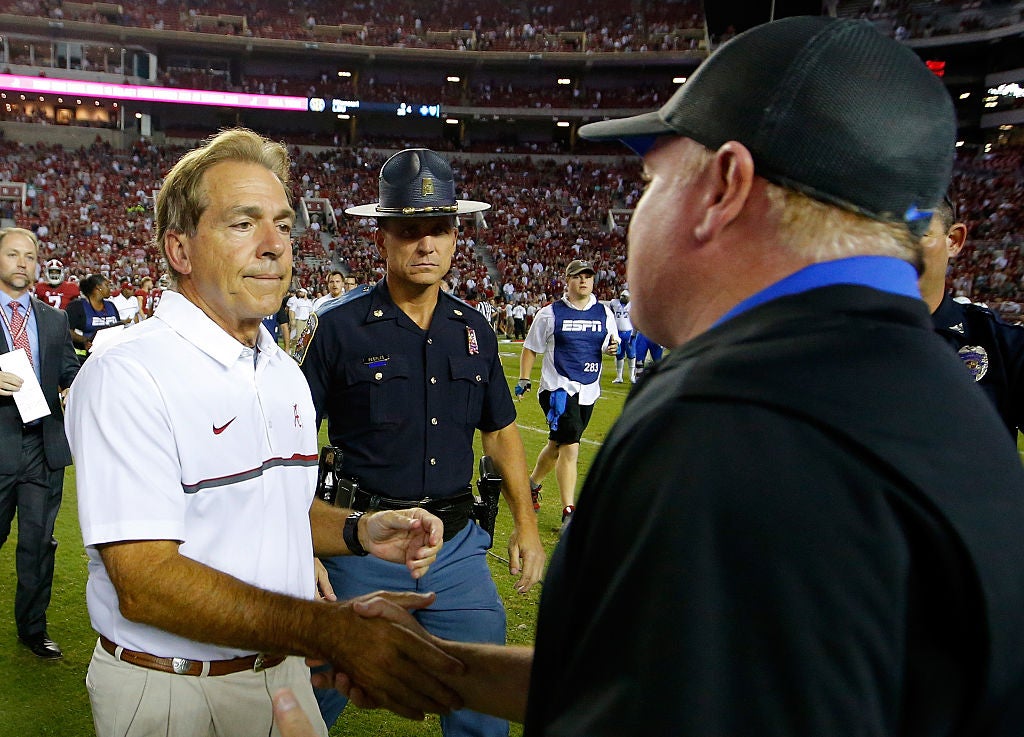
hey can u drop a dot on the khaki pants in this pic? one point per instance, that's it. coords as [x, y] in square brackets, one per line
[130, 701]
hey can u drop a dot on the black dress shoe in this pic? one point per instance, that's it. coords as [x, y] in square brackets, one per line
[42, 647]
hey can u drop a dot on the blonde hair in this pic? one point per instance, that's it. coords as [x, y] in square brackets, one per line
[4, 232]
[826, 232]
[182, 198]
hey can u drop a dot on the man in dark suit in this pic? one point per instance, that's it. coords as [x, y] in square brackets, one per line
[35, 453]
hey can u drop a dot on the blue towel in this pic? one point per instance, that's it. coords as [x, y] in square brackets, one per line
[557, 404]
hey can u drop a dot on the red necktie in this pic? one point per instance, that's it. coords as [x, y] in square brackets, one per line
[19, 330]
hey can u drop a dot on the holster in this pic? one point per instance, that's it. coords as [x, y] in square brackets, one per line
[485, 506]
[331, 484]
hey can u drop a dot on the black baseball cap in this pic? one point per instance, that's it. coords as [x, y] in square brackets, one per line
[826, 106]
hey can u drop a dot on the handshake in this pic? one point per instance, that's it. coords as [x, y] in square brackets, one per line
[522, 387]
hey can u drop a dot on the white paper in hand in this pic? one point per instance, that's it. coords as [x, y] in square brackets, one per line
[29, 399]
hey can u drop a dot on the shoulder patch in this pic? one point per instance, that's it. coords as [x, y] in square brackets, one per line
[975, 358]
[303, 341]
[355, 293]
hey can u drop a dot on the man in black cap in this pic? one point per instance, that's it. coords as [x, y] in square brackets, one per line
[785, 534]
[405, 374]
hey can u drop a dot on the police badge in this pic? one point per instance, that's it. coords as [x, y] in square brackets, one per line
[303, 341]
[975, 358]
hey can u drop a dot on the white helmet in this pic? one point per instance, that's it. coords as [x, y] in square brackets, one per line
[54, 272]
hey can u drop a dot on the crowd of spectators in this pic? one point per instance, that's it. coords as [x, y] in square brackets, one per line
[585, 26]
[92, 208]
[989, 194]
[543, 93]
[491, 25]
[907, 19]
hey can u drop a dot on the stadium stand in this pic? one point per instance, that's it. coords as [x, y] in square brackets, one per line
[507, 118]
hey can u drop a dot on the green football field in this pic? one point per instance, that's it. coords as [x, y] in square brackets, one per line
[49, 698]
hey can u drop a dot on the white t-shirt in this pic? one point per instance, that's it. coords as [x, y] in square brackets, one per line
[301, 308]
[208, 450]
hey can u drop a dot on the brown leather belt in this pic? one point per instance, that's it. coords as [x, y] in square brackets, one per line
[185, 667]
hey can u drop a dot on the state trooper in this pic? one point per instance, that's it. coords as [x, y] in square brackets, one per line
[992, 350]
[405, 374]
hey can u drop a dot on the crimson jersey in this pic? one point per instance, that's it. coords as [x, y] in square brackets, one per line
[153, 299]
[59, 296]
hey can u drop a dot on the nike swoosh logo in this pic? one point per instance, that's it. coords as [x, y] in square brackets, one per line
[222, 428]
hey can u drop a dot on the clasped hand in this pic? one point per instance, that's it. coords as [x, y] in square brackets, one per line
[410, 536]
[386, 659]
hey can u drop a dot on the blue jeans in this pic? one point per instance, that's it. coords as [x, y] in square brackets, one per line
[467, 609]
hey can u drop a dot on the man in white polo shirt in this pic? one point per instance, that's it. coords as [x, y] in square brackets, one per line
[201, 539]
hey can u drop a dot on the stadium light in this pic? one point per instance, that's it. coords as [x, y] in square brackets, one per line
[678, 80]
[344, 74]
[562, 123]
[344, 116]
[964, 95]
[564, 80]
[451, 121]
[454, 79]
[959, 144]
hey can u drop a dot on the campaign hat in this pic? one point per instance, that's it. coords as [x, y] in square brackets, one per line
[416, 182]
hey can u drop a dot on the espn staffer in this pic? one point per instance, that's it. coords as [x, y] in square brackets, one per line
[572, 333]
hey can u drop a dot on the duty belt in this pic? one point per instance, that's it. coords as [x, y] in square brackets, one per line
[454, 511]
[186, 667]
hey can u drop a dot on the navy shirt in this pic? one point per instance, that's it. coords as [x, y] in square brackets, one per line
[992, 351]
[402, 402]
[579, 338]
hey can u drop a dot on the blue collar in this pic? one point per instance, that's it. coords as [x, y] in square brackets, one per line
[24, 300]
[885, 273]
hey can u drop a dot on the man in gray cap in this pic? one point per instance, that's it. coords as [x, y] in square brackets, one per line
[406, 374]
[781, 535]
